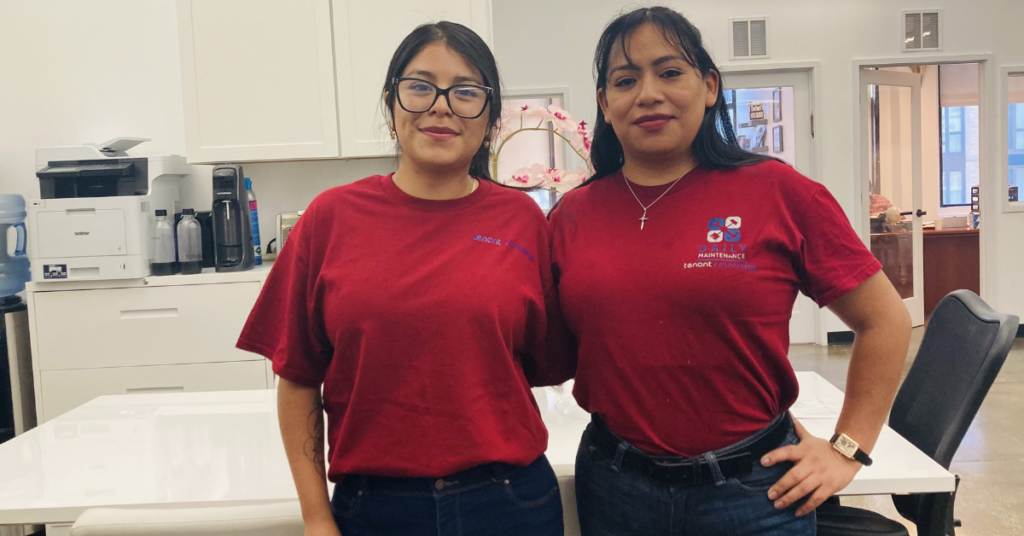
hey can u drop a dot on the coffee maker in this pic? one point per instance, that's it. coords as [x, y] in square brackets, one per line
[232, 234]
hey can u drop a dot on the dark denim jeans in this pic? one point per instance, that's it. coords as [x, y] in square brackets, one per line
[517, 502]
[615, 502]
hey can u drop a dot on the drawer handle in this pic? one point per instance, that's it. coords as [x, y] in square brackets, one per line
[149, 313]
[151, 390]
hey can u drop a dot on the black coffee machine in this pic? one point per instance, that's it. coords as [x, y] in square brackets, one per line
[232, 232]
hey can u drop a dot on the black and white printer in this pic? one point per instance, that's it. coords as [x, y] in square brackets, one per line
[96, 215]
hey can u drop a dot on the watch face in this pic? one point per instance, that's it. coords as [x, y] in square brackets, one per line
[846, 446]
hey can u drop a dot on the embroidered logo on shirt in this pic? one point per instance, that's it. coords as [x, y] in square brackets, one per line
[725, 250]
[727, 229]
[506, 243]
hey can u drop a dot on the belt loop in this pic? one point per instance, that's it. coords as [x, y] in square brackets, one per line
[712, 462]
[620, 452]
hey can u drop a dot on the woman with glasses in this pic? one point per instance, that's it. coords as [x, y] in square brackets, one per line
[680, 261]
[418, 302]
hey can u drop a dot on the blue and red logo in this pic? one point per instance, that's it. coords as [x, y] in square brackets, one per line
[727, 229]
[723, 250]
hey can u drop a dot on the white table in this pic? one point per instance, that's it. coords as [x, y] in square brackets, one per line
[224, 448]
[899, 467]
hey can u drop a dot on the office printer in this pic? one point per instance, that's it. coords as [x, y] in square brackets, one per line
[96, 216]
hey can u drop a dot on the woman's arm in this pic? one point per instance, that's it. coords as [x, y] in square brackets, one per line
[301, 416]
[879, 319]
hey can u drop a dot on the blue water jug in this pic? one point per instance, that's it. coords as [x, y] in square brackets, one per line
[14, 263]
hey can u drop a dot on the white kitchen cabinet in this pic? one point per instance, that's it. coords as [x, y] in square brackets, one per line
[366, 35]
[271, 80]
[143, 326]
[257, 80]
[174, 333]
[67, 389]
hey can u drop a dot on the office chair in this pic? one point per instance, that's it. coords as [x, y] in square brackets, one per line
[964, 347]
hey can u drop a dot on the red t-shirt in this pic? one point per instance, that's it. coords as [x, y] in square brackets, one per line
[417, 317]
[683, 326]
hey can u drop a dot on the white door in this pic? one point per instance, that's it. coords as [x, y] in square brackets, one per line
[257, 80]
[364, 44]
[890, 108]
[784, 132]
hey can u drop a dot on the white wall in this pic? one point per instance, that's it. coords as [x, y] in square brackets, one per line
[832, 33]
[77, 71]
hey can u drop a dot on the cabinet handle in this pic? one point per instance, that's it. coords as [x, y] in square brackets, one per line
[138, 314]
[151, 390]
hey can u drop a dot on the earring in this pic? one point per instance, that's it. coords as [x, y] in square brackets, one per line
[487, 143]
[392, 132]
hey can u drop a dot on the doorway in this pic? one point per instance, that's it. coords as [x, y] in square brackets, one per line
[920, 178]
[771, 113]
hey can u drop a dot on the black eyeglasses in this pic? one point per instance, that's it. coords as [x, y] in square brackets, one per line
[417, 96]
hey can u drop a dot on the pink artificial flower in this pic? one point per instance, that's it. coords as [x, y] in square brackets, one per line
[561, 119]
[528, 177]
[581, 141]
[563, 181]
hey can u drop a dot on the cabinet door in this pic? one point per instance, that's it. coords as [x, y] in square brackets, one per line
[257, 79]
[363, 47]
[127, 327]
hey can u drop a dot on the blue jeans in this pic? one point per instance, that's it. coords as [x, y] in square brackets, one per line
[509, 501]
[614, 502]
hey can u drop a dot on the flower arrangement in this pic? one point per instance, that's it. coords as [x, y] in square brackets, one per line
[516, 119]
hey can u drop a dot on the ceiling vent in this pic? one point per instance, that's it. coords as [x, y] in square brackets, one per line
[749, 38]
[922, 30]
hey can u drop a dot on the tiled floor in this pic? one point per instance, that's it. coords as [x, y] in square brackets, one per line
[990, 460]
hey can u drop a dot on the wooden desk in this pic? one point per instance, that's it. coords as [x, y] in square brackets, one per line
[951, 262]
[895, 251]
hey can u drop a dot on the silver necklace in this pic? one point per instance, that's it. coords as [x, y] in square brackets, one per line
[644, 218]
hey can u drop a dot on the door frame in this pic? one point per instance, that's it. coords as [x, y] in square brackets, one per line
[813, 71]
[990, 177]
[912, 82]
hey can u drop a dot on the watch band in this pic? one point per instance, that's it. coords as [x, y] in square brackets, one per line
[857, 455]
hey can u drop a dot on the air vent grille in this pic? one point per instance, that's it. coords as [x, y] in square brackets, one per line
[749, 38]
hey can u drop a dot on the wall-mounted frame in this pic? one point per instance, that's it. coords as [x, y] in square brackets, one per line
[1008, 146]
[777, 146]
[777, 105]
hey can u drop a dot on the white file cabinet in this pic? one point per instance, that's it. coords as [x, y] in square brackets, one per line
[158, 334]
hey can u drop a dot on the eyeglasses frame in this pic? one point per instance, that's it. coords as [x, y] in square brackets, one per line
[437, 94]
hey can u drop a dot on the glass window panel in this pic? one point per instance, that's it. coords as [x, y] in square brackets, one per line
[1017, 177]
[955, 124]
[955, 143]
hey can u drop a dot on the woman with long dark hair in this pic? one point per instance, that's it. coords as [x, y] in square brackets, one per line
[417, 302]
[680, 261]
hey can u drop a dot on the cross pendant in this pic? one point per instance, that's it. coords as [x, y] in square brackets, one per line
[643, 219]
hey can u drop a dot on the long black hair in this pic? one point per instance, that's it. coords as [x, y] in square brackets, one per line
[466, 43]
[715, 146]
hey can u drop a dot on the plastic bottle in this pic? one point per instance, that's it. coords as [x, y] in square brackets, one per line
[190, 243]
[14, 265]
[257, 253]
[163, 250]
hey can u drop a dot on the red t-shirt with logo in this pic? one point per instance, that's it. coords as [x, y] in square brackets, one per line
[417, 317]
[683, 327]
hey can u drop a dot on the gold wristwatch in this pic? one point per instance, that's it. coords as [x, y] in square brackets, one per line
[850, 448]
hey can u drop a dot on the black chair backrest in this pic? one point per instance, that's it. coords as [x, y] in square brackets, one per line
[964, 347]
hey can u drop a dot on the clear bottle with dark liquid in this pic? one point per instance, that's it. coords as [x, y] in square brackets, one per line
[163, 249]
[190, 243]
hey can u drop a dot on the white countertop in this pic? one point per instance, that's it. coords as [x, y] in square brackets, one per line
[206, 277]
[187, 449]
